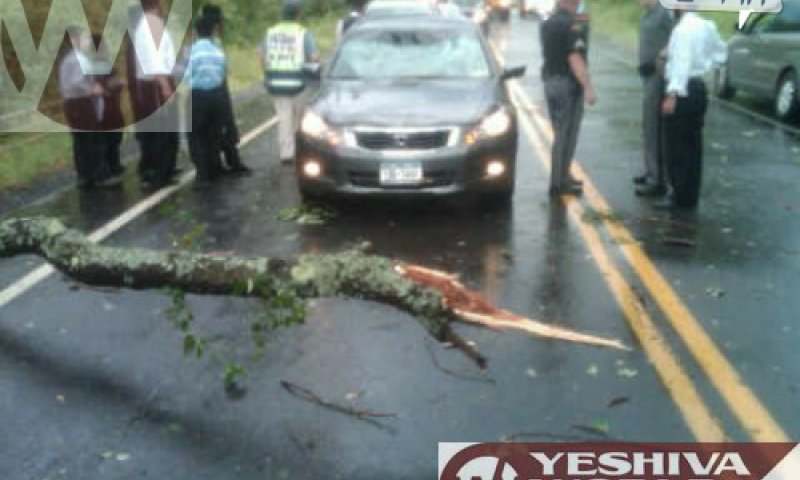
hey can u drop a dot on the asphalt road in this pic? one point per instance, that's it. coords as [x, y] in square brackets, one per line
[94, 384]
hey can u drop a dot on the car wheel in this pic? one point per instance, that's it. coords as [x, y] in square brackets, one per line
[497, 199]
[786, 104]
[310, 196]
[722, 85]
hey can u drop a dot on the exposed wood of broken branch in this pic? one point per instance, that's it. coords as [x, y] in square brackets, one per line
[472, 307]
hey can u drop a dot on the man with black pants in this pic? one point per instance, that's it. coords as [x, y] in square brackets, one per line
[694, 48]
[152, 96]
[567, 85]
[206, 73]
[230, 132]
[655, 27]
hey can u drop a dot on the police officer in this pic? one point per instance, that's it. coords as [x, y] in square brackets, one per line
[695, 47]
[655, 27]
[286, 49]
[206, 72]
[567, 85]
[230, 132]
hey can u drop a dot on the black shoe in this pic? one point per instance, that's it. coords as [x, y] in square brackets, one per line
[651, 191]
[202, 185]
[575, 181]
[565, 190]
[287, 160]
[640, 180]
[664, 204]
[241, 171]
[110, 182]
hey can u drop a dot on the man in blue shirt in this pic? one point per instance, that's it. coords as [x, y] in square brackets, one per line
[230, 132]
[206, 72]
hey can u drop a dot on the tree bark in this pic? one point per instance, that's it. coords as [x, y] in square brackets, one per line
[434, 298]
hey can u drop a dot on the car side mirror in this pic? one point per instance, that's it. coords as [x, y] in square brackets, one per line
[509, 73]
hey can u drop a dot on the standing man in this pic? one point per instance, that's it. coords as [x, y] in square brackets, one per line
[695, 47]
[654, 30]
[152, 96]
[567, 85]
[83, 93]
[287, 47]
[206, 72]
[230, 132]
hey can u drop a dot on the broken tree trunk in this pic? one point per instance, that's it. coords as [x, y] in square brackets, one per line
[351, 274]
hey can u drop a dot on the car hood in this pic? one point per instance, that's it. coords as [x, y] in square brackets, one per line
[406, 102]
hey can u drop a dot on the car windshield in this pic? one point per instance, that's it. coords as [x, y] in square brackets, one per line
[412, 54]
[467, 3]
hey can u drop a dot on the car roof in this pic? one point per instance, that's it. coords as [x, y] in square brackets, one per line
[413, 22]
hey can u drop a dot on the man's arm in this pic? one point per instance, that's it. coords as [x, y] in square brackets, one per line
[578, 66]
[679, 59]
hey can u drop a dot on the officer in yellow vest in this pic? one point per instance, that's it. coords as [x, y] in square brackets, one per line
[288, 47]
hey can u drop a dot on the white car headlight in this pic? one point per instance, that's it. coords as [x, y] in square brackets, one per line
[313, 125]
[495, 124]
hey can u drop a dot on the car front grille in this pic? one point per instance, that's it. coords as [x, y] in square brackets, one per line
[402, 140]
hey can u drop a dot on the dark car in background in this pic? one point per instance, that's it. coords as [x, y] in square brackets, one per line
[410, 106]
[764, 60]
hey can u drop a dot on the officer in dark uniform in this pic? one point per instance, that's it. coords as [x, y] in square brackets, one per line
[230, 132]
[567, 86]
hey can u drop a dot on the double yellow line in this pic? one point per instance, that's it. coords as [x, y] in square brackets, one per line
[742, 401]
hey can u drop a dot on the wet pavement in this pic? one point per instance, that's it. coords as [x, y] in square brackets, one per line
[94, 384]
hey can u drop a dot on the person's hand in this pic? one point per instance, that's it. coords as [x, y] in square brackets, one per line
[166, 91]
[590, 96]
[669, 104]
[97, 89]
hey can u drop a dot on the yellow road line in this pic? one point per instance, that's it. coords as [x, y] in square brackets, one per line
[697, 415]
[752, 414]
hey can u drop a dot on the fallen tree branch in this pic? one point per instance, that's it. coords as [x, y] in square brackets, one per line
[434, 298]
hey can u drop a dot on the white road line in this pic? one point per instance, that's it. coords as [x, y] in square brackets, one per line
[37, 275]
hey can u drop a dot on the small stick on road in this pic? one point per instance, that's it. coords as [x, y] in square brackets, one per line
[309, 396]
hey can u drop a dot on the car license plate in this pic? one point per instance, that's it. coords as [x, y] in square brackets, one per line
[401, 174]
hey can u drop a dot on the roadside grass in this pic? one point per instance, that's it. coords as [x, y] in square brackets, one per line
[26, 157]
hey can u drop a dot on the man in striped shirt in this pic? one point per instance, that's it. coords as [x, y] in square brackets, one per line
[206, 73]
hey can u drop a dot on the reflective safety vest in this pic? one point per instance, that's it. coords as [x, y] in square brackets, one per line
[284, 47]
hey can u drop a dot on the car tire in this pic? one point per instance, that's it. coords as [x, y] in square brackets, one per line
[497, 199]
[310, 196]
[786, 103]
[722, 84]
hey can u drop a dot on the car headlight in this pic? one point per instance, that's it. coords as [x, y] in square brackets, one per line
[493, 125]
[313, 125]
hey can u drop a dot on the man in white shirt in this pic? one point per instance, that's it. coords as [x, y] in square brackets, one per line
[157, 134]
[83, 95]
[695, 47]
